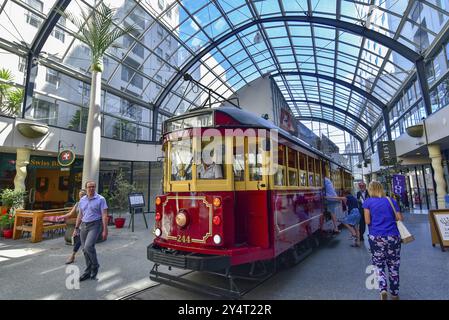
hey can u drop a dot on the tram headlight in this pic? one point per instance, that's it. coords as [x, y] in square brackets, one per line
[217, 239]
[157, 232]
[216, 202]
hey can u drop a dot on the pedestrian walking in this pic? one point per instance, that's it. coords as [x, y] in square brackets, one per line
[76, 237]
[362, 195]
[93, 214]
[384, 238]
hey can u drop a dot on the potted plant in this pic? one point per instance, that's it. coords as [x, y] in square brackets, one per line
[7, 224]
[118, 198]
[11, 200]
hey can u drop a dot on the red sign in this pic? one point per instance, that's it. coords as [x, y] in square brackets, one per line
[66, 158]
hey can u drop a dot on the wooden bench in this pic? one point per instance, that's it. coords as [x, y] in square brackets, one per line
[33, 221]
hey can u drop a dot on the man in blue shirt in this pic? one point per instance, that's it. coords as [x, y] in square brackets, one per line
[93, 212]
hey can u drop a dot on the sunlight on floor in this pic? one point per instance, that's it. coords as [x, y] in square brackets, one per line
[53, 296]
[102, 276]
[18, 253]
[109, 284]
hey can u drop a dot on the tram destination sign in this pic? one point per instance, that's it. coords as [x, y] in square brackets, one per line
[387, 153]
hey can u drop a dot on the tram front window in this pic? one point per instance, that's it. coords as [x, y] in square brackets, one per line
[212, 155]
[181, 157]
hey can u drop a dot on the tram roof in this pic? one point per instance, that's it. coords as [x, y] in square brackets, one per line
[250, 120]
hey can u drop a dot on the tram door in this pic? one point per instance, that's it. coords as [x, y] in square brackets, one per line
[250, 184]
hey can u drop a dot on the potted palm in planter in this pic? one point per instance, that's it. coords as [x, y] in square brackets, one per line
[118, 198]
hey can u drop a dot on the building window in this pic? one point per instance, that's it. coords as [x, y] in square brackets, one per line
[22, 64]
[52, 77]
[161, 4]
[160, 54]
[159, 80]
[129, 75]
[58, 33]
[32, 18]
[45, 111]
[160, 31]
[168, 12]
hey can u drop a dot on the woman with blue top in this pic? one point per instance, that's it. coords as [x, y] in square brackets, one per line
[384, 237]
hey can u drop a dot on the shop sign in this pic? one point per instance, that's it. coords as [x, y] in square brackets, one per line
[387, 153]
[66, 158]
[43, 163]
[399, 186]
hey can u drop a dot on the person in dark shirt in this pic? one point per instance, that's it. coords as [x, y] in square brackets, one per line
[362, 195]
[352, 219]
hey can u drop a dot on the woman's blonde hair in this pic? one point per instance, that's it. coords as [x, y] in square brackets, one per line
[376, 190]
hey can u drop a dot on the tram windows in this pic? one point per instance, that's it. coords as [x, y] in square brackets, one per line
[292, 167]
[211, 165]
[317, 172]
[181, 156]
[210, 171]
[254, 161]
[311, 171]
[302, 169]
[239, 159]
[279, 176]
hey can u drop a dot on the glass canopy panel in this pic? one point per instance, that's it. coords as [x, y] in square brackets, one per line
[20, 21]
[150, 58]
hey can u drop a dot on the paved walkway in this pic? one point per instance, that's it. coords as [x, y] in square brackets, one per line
[334, 271]
[37, 270]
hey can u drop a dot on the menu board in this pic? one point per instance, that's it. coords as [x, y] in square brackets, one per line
[439, 225]
[136, 200]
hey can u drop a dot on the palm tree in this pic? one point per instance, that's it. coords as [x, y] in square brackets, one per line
[10, 98]
[96, 30]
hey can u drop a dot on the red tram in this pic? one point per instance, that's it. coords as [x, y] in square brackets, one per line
[239, 214]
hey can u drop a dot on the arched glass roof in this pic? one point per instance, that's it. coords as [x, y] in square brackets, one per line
[342, 61]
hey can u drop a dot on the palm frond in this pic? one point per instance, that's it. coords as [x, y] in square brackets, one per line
[97, 30]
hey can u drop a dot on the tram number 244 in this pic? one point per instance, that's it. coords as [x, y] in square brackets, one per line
[183, 239]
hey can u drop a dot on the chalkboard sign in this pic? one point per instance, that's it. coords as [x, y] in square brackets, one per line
[136, 200]
[439, 227]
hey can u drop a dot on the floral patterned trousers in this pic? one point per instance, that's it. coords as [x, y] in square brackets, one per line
[386, 250]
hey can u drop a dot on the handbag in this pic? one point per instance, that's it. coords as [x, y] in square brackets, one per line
[406, 236]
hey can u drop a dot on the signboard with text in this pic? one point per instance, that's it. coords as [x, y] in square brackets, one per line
[400, 187]
[439, 227]
[387, 153]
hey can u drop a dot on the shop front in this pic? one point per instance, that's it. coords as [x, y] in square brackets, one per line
[51, 185]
